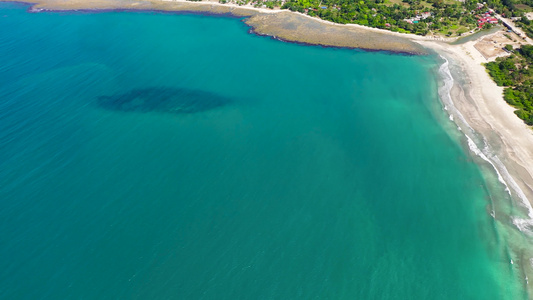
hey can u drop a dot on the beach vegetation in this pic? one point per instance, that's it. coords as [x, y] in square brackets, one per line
[436, 17]
[420, 17]
[516, 75]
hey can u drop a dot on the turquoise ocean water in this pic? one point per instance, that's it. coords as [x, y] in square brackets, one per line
[159, 156]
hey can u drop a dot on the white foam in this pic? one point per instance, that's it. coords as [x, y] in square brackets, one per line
[445, 93]
[524, 225]
[474, 148]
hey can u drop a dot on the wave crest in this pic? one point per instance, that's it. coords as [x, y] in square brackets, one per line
[485, 152]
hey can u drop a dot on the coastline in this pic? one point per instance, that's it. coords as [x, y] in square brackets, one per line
[496, 136]
[280, 24]
[480, 103]
[507, 143]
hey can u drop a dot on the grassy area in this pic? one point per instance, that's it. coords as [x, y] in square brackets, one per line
[425, 4]
[415, 16]
[455, 30]
[392, 2]
[523, 7]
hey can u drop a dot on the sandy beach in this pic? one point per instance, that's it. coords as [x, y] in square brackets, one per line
[479, 110]
[482, 105]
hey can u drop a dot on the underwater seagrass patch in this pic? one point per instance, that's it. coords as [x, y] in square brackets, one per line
[164, 100]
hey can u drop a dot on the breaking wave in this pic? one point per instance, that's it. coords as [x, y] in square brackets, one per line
[484, 152]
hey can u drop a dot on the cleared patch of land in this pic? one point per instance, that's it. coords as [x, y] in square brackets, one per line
[493, 45]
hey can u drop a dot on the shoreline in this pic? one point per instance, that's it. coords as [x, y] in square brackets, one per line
[495, 135]
[507, 142]
[483, 108]
[283, 25]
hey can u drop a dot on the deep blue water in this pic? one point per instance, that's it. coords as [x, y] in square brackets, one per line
[156, 156]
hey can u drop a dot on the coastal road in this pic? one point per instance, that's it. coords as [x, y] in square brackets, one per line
[515, 28]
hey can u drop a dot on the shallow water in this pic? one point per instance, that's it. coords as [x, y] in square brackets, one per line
[477, 35]
[163, 100]
[289, 171]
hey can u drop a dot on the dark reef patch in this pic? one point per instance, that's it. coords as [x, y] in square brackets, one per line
[163, 100]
